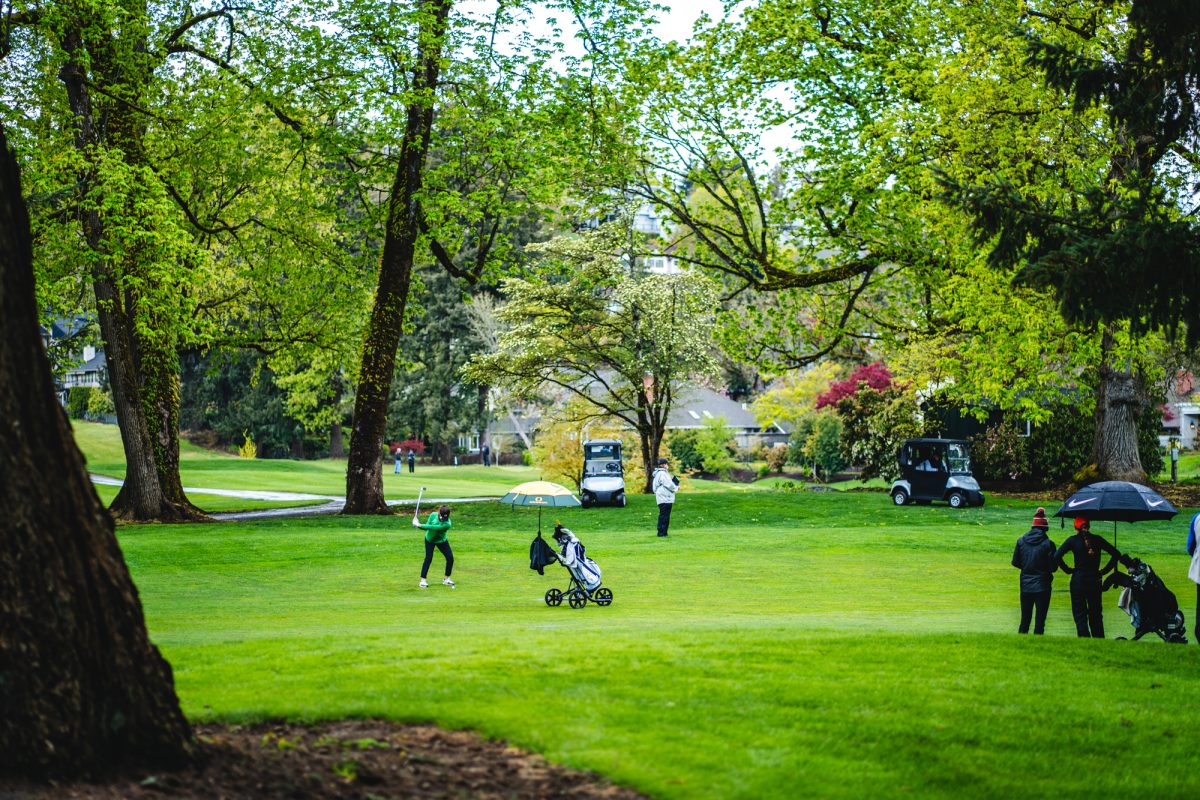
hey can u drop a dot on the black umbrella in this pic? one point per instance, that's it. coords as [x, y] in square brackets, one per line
[1118, 501]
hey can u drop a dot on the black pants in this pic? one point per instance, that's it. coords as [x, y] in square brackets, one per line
[412, 466]
[1086, 608]
[1030, 601]
[446, 551]
[664, 518]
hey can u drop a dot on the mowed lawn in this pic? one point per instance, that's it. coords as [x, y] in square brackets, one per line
[206, 469]
[775, 645]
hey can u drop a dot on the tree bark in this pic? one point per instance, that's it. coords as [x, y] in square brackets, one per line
[364, 469]
[1119, 402]
[81, 686]
[148, 417]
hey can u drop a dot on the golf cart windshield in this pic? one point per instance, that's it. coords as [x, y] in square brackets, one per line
[601, 452]
[958, 459]
[602, 459]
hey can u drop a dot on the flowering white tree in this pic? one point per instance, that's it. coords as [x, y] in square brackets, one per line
[621, 341]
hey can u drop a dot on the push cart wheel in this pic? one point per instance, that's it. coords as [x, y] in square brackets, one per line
[577, 599]
[553, 597]
[602, 596]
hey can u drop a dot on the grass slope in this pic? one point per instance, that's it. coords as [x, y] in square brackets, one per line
[776, 645]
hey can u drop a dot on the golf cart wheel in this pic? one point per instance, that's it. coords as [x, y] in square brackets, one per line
[621, 502]
[900, 497]
[577, 599]
[957, 500]
[603, 596]
[554, 597]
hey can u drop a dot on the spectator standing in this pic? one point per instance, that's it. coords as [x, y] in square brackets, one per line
[487, 456]
[664, 487]
[1086, 547]
[1034, 555]
[1194, 570]
[412, 460]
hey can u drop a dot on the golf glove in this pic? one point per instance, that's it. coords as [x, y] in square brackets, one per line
[416, 522]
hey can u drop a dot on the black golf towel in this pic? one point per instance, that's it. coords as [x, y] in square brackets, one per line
[541, 555]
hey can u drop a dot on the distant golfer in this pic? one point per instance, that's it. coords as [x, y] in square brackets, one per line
[1034, 556]
[412, 460]
[1085, 577]
[436, 529]
[664, 487]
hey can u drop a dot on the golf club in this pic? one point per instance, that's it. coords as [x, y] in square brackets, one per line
[417, 512]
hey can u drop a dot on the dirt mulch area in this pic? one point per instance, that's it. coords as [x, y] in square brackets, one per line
[349, 760]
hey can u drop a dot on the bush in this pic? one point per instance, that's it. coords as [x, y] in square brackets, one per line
[824, 445]
[999, 453]
[416, 445]
[798, 441]
[1061, 446]
[776, 457]
[100, 404]
[874, 425]
[683, 448]
[77, 401]
[714, 446]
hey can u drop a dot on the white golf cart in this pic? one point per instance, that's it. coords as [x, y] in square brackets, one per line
[603, 474]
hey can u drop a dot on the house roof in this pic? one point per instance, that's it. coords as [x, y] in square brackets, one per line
[94, 364]
[695, 405]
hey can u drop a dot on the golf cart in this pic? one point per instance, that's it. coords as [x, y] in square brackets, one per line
[603, 475]
[936, 469]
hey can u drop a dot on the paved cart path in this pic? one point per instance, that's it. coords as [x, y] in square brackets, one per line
[332, 505]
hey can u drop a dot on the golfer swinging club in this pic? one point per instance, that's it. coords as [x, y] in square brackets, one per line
[435, 536]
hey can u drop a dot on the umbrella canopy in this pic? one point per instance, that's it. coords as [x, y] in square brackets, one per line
[541, 494]
[1119, 501]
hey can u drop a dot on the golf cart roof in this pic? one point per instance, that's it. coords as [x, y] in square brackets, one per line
[590, 442]
[936, 441]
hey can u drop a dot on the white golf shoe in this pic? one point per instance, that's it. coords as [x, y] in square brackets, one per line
[448, 582]
[424, 584]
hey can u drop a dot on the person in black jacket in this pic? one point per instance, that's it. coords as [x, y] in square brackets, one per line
[1086, 548]
[1034, 555]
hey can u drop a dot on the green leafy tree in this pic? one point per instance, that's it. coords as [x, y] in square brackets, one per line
[874, 425]
[623, 343]
[715, 447]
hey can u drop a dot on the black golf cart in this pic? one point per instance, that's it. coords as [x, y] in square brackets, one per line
[603, 474]
[936, 469]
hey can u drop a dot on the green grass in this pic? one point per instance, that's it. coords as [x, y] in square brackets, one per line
[210, 470]
[776, 645]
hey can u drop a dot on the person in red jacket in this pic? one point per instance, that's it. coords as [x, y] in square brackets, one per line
[1086, 547]
[1034, 556]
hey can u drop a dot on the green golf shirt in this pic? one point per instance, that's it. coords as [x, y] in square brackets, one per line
[435, 529]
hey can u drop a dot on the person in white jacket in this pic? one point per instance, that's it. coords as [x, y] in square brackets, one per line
[1193, 548]
[664, 487]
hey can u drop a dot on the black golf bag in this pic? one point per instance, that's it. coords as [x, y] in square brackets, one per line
[1151, 606]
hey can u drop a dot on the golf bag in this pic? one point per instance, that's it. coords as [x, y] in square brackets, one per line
[1151, 606]
[574, 557]
[585, 574]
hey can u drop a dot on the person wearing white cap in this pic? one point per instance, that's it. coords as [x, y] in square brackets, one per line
[664, 487]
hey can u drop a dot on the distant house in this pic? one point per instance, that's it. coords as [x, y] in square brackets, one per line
[93, 372]
[1181, 412]
[693, 407]
[73, 362]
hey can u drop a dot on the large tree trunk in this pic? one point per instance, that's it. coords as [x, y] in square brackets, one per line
[81, 686]
[364, 469]
[152, 489]
[1118, 406]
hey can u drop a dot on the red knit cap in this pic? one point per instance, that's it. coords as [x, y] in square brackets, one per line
[1039, 518]
[1080, 522]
